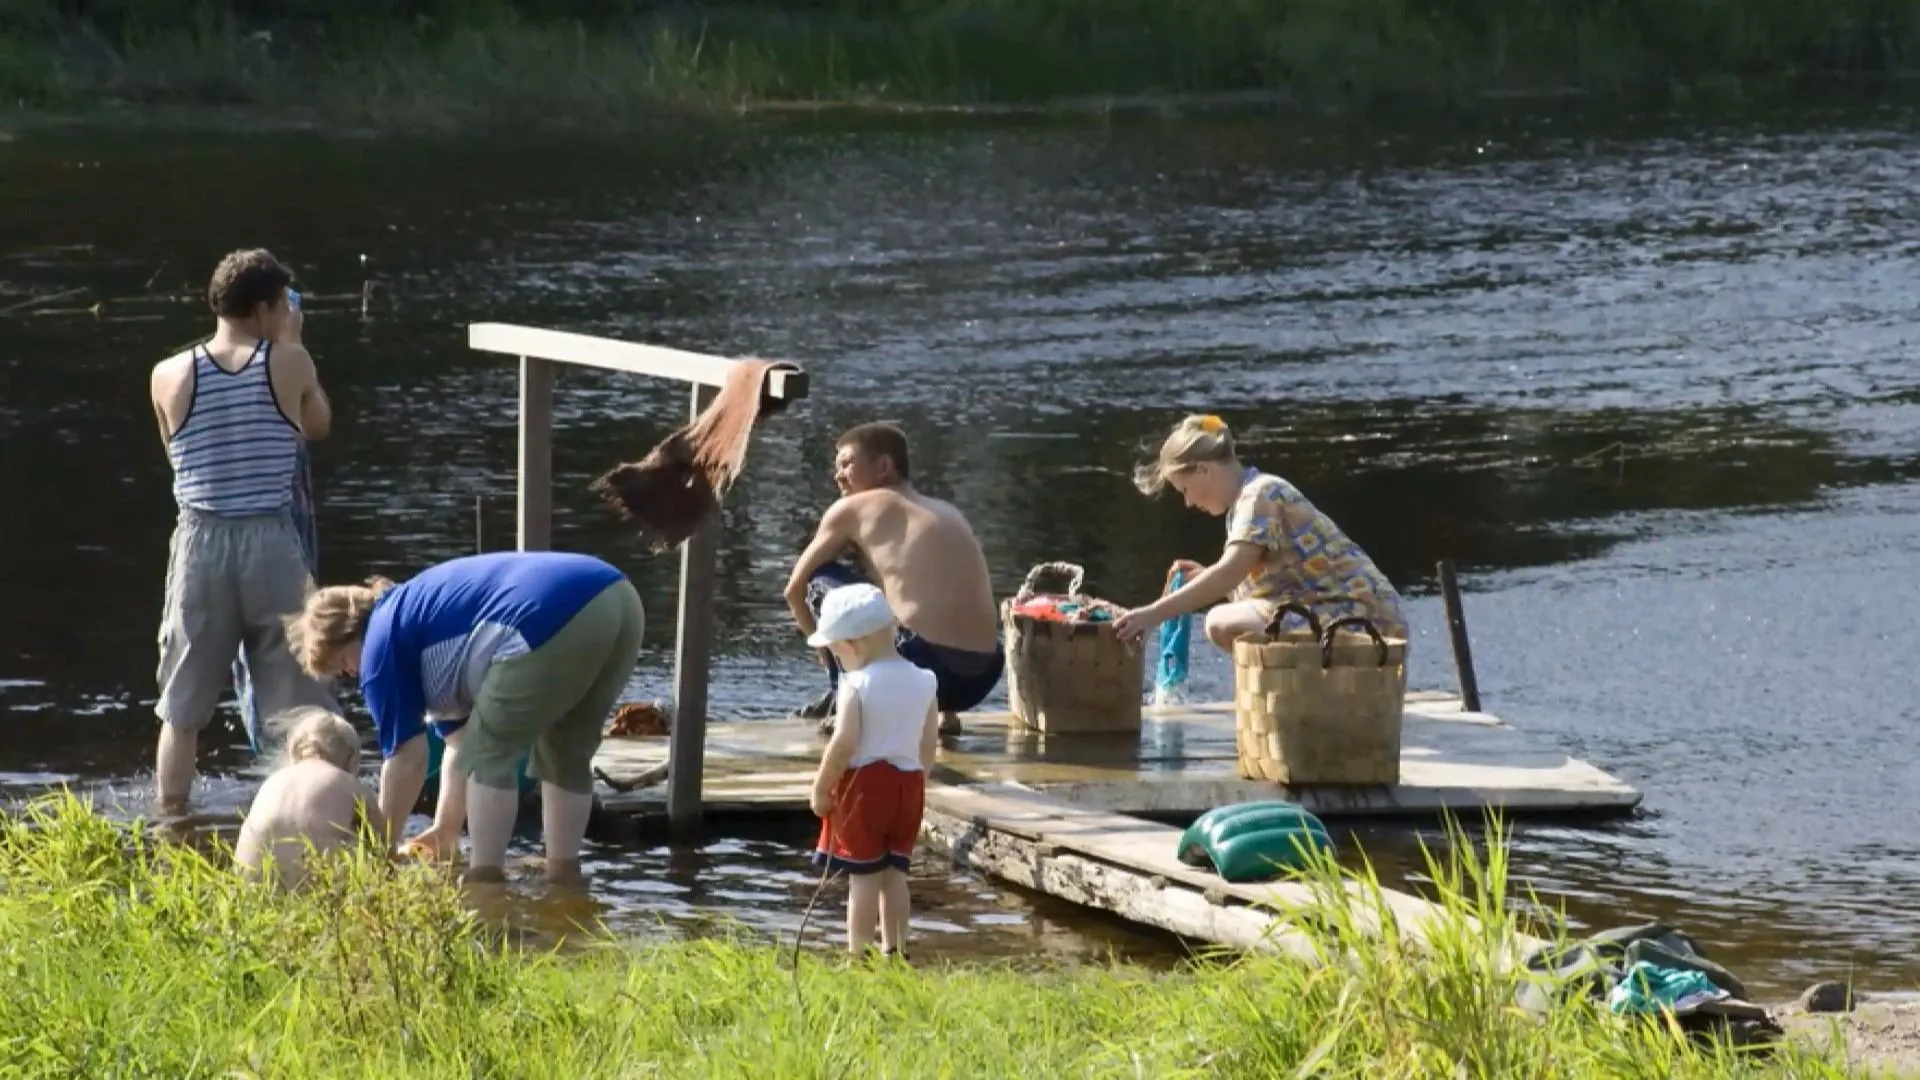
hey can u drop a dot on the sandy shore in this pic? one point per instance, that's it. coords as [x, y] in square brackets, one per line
[1881, 1035]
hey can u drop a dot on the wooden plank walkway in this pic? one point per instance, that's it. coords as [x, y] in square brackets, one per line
[1181, 763]
[1129, 867]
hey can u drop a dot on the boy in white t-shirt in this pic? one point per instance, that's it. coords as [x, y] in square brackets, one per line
[872, 784]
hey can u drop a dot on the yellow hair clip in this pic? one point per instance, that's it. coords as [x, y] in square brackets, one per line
[1210, 424]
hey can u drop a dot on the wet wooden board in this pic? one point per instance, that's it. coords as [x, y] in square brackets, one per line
[1182, 762]
[1130, 868]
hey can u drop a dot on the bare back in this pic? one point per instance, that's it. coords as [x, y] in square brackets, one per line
[923, 554]
[306, 801]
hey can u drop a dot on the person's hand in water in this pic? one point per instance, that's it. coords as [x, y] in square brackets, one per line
[432, 845]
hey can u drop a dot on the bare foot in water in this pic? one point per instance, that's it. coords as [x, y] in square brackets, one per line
[566, 872]
[484, 875]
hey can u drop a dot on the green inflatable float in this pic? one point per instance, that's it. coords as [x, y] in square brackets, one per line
[1254, 841]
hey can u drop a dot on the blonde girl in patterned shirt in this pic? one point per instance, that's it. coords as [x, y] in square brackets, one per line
[1279, 548]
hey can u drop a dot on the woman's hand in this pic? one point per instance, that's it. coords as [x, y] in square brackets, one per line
[1136, 624]
[432, 845]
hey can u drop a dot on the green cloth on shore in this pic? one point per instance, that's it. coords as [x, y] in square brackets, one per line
[1648, 987]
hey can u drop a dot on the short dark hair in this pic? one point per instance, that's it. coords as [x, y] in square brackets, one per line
[879, 440]
[244, 280]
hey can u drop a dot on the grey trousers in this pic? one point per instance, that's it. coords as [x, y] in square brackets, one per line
[230, 581]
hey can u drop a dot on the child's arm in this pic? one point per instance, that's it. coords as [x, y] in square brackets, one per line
[839, 751]
[930, 735]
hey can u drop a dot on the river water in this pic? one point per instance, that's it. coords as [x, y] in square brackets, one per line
[1647, 379]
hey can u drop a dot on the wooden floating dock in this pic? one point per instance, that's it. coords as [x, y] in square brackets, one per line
[1053, 814]
[1128, 866]
[1182, 764]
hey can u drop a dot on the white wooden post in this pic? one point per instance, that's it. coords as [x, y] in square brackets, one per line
[536, 453]
[540, 351]
[692, 665]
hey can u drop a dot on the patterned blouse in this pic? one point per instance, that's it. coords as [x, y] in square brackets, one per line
[1304, 555]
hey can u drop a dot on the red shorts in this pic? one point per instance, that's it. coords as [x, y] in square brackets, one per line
[875, 821]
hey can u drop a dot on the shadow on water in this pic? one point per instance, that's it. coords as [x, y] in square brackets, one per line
[1647, 381]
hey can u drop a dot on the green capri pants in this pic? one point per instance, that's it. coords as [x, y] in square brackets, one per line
[553, 702]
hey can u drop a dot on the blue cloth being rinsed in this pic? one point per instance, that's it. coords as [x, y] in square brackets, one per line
[310, 551]
[1170, 674]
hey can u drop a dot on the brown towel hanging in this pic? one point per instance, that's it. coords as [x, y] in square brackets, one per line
[674, 490]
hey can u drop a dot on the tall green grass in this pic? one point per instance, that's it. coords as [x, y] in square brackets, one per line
[124, 956]
[489, 62]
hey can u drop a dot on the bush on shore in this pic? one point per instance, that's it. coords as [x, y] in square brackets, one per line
[570, 63]
[125, 955]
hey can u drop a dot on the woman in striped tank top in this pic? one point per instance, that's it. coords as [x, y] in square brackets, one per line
[232, 413]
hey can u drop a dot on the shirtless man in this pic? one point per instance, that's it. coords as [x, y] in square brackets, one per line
[232, 414]
[922, 554]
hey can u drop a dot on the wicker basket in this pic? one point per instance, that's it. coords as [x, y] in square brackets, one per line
[1070, 677]
[1319, 706]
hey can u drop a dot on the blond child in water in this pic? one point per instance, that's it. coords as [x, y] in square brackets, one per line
[872, 784]
[314, 797]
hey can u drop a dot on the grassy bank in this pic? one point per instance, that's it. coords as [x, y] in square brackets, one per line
[146, 959]
[474, 63]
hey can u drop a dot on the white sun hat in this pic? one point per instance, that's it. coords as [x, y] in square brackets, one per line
[851, 612]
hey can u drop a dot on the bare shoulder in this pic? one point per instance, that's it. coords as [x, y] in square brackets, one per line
[942, 509]
[272, 790]
[292, 358]
[170, 372]
[863, 505]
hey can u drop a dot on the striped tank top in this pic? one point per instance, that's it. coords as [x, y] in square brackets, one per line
[236, 452]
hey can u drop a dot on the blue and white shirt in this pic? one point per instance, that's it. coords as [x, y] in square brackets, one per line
[236, 453]
[431, 639]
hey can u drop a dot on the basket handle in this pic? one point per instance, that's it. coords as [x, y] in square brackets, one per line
[1074, 574]
[1361, 621]
[1279, 616]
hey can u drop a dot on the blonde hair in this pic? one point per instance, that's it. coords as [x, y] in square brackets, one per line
[1196, 440]
[312, 732]
[333, 618]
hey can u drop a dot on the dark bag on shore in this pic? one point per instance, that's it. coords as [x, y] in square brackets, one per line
[1593, 967]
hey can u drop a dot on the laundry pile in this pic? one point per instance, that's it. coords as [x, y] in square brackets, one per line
[1065, 610]
[1651, 970]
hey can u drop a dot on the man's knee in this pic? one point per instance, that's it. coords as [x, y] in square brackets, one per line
[828, 577]
[194, 673]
